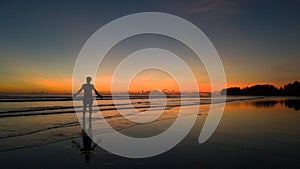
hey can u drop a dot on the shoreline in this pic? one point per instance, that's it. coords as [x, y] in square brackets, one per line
[243, 136]
[77, 125]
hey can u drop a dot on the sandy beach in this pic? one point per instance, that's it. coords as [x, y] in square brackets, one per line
[260, 133]
[192, 84]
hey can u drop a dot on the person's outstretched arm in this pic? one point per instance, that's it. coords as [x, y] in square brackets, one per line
[78, 92]
[97, 93]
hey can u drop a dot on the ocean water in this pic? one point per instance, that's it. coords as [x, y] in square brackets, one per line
[27, 121]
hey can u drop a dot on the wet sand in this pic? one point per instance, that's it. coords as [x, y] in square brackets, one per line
[261, 133]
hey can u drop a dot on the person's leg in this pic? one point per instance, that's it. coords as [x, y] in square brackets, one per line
[90, 109]
[84, 109]
[83, 114]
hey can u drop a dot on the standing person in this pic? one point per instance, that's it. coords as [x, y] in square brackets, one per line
[88, 96]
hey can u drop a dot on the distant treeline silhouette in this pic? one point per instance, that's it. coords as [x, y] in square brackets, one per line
[291, 89]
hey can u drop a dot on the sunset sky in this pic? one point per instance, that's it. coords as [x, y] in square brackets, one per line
[257, 41]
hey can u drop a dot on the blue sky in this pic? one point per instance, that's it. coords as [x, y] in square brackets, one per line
[258, 41]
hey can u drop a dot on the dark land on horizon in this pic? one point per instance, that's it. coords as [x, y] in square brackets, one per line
[290, 89]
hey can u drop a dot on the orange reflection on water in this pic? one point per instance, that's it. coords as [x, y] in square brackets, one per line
[257, 104]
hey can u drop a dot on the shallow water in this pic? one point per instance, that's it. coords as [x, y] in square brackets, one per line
[42, 122]
[257, 133]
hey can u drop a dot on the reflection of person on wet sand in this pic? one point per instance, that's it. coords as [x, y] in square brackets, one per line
[88, 96]
[87, 146]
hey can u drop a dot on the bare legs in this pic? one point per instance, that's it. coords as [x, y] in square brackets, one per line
[90, 105]
[90, 109]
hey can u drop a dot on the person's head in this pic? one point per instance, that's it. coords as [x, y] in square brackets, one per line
[88, 79]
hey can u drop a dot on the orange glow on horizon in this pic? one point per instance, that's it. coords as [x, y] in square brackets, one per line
[147, 82]
[143, 81]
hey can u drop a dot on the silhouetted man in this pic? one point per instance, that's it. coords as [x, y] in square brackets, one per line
[88, 96]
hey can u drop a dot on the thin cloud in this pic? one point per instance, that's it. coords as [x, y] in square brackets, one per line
[204, 6]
